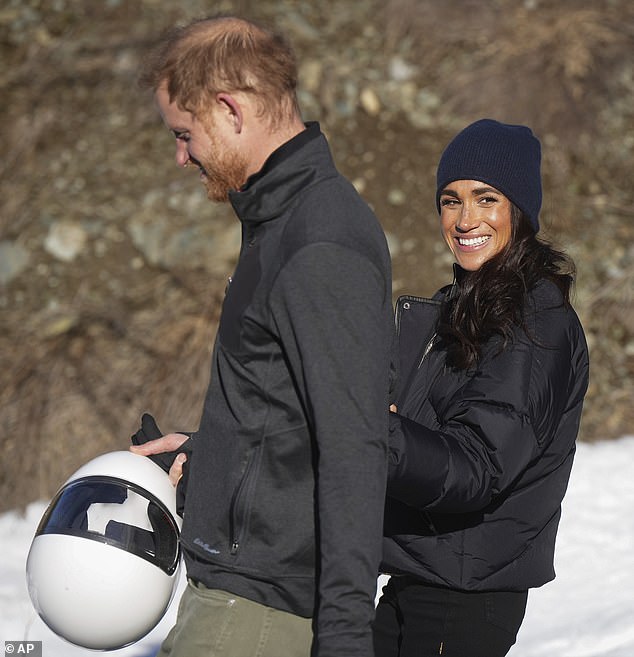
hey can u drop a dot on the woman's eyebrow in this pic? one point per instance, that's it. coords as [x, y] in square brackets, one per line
[484, 190]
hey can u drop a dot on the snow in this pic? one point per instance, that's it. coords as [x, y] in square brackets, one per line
[587, 611]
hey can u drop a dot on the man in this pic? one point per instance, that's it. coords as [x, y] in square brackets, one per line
[286, 478]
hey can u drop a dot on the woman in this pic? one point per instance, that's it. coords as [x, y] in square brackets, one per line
[493, 371]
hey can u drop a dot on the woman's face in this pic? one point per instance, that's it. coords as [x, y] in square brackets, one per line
[475, 220]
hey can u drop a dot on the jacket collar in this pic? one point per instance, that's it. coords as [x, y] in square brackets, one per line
[292, 167]
[459, 274]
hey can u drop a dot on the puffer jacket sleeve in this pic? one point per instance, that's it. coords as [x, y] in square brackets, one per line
[497, 423]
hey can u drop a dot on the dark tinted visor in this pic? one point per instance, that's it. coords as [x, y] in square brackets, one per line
[118, 513]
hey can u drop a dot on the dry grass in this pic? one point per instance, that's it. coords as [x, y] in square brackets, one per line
[545, 63]
[74, 384]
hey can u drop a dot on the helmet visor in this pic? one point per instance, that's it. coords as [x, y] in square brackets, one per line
[116, 512]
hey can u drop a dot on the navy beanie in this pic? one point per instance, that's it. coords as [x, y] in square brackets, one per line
[504, 156]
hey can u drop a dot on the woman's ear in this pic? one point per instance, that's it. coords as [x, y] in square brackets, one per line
[232, 109]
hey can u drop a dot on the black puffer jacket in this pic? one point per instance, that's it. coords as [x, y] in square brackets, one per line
[480, 460]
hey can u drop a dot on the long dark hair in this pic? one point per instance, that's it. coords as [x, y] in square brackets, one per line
[490, 301]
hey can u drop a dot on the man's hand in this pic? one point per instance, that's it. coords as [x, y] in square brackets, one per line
[149, 441]
[171, 442]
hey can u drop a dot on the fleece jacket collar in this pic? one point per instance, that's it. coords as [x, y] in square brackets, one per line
[291, 168]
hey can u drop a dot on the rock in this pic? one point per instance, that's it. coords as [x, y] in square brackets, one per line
[400, 70]
[65, 240]
[370, 101]
[210, 245]
[14, 259]
[396, 197]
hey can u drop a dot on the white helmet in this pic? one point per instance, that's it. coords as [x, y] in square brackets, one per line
[102, 568]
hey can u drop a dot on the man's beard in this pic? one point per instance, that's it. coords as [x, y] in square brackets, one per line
[223, 173]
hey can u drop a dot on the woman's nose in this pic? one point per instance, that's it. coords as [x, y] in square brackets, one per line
[467, 219]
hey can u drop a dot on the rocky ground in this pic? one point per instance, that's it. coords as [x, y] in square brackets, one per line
[113, 263]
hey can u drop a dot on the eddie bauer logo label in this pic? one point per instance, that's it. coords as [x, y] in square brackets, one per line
[205, 546]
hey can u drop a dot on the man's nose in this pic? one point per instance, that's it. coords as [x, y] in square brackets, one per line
[182, 154]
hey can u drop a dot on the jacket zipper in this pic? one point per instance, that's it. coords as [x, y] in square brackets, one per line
[240, 502]
[428, 348]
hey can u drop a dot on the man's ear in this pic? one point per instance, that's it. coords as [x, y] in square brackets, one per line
[233, 110]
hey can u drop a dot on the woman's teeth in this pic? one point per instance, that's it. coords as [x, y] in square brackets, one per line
[473, 241]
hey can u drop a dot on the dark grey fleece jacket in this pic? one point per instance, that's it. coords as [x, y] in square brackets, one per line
[287, 480]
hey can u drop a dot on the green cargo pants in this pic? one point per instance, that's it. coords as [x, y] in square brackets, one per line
[213, 623]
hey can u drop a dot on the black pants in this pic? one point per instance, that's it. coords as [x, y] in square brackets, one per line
[416, 620]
